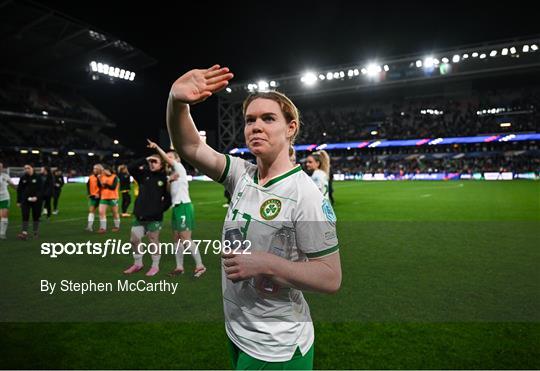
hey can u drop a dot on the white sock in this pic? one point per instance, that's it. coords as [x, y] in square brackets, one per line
[196, 255]
[90, 220]
[138, 259]
[3, 226]
[155, 260]
[116, 223]
[103, 223]
[179, 255]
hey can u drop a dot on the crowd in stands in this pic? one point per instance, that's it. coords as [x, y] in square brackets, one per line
[422, 118]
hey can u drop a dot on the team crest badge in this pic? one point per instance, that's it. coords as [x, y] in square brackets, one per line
[328, 211]
[270, 209]
[160, 183]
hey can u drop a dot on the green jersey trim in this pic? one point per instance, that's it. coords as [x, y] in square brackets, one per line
[322, 253]
[226, 170]
[278, 178]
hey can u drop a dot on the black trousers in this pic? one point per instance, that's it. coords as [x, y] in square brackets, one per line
[47, 205]
[56, 197]
[35, 208]
[126, 200]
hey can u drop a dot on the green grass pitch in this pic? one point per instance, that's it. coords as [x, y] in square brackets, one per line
[436, 275]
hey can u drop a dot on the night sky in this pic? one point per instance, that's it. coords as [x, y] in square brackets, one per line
[258, 39]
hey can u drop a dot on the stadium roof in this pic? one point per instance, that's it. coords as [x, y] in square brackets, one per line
[44, 43]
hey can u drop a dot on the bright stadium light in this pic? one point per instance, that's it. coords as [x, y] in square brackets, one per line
[273, 84]
[513, 50]
[24, 151]
[356, 72]
[116, 72]
[45, 113]
[475, 54]
[100, 67]
[90, 154]
[309, 78]
[534, 47]
[329, 76]
[350, 73]
[493, 53]
[93, 66]
[525, 49]
[505, 124]
[54, 153]
[342, 74]
[35, 152]
[262, 85]
[455, 58]
[115, 141]
[115, 155]
[373, 69]
[336, 75]
[374, 132]
[436, 61]
[132, 77]
[364, 71]
[504, 51]
[419, 63]
[465, 56]
[428, 62]
[482, 56]
[106, 69]
[322, 77]
[386, 68]
[445, 60]
[71, 153]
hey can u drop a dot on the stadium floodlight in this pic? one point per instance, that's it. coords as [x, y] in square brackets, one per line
[132, 77]
[116, 72]
[504, 51]
[24, 151]
[419, 63]
[115, 155]
[475, 54]
[93, 66]
[273, 84]
[324, 134]
[505, 124]
[329, 76]
[374, 132]
[115, 141]
[386, 68]
[465, 56]
[228, 90]
[90, 154]
[364, 71]
[309, 78]
[106, 69]
[356, 72]
[250, 87]
[45, 113]
[262, 85]
[513, 50]
[322, 77]
[525, 49]
[336, 75]
[445, 60]
[54, 153]
[493, 53]
[35, 152]
[342, 74]
[534, 47]
[436, 61]
[483, 55]
[71, 153]
[455, 58]
[428, 62]
[350, 73]
[373, 69]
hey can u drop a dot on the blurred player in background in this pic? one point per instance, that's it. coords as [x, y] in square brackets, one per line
[125, 189]
[109, 185]
[58, 180]
[47, 190]
[318, 163]
[94, 193]
[5, 181]
[29, 193]
[183, 214]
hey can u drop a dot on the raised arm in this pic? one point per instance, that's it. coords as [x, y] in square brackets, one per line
[193, 87]
[160, 151]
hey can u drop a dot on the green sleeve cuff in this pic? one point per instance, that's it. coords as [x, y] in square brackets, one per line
[322, 253]
[226, 170]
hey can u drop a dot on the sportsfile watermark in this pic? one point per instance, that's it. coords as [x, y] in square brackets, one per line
[117, 247]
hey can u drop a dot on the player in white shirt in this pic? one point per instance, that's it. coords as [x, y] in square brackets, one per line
[183, 214]
[5, 181]
[277, 208]
[319, 164]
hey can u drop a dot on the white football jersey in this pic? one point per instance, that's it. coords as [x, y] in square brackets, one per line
[320, 179]
[180, 187]
[4, 182]
[288, 217]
